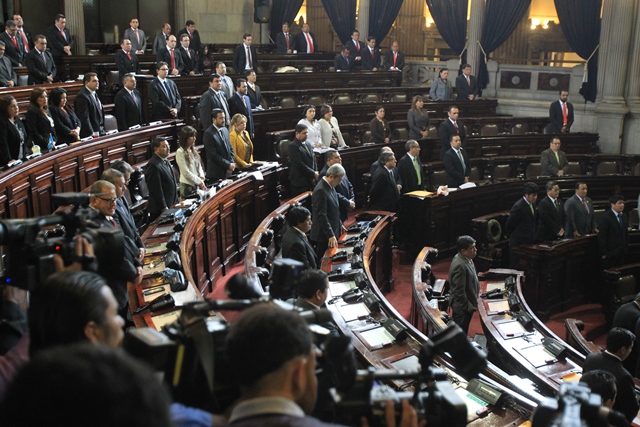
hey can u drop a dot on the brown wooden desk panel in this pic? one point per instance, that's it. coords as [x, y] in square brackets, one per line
[27, 188]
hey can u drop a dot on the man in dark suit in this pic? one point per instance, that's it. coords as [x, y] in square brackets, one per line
[456, 164]
[463, 279]
[326, 227]
[194, 37]
[305, 42]
[371, 56]
[355, 47]
[342, 62]
[313, 289]
[284, 41]
[161, 181]
[123, 215]
[346, 196]
[89, 108]
[520, 225]
[136, 36]
[163, 93]
[303, 170]
[619, 345]
[561, 114]
[126, 60]
[128, 104]
[613, 235]
[626, 317]
[102, 197]
[581, 219]
[39, 63]
[188, 56]
[553, 160]
[213, 98]
[466, 85]
[14, 48]
[227, 84]
[160, 41]
[245, 56]
[220, 155]
[375, 165]
[240, 103]
[384, 193]
[8, 76]
[394, 59]
[171, 56]
[295, 244]
[410, 168]
[550, 216]
[253, 90]
[60, 41]
[23, 33]
[451, 126]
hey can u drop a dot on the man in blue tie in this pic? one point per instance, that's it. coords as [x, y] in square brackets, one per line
[217, 146]
[342, 62]
[165, 98]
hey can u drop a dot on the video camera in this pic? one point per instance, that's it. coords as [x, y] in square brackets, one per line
[576, 406]
[31, 243]
[361, 393]
[191, 351]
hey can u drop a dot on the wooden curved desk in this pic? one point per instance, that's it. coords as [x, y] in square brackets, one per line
[215, 236]
[377, 269]
[26, 189]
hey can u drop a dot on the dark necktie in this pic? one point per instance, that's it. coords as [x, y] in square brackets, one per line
[249, 58]
[620, 220]
[166, 87]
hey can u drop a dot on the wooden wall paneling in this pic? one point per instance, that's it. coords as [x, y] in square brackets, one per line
[42, 188]
[408, 29]
[67, 178]
[198, 257]
[320, 26]
[247, 219]
[213, 250]
[92, 166]
[4, 205]
[113, 153]
[20, 203]
[228, 228]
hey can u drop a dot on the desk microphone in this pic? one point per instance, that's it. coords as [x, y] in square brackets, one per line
[165, 301]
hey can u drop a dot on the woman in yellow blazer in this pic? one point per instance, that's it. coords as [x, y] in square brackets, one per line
[241, 141]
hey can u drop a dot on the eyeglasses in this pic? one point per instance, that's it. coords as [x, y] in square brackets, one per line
[109, 201]
[163, 69]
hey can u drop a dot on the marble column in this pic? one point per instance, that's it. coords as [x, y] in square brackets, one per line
[363, 20]
[613, 62]
[180, 16]
[476, 20]
[630, 143]
[74, 13]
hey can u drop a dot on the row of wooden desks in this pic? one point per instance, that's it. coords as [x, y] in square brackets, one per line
[374, 345]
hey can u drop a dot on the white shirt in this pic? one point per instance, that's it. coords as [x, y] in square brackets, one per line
[313, 137]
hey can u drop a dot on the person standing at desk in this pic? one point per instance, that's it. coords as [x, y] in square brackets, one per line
[327, 226]
[295, 244]
[550, 217]
[463, 279]
[520, 225]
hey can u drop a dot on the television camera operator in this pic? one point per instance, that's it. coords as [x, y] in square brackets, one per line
[272, 352]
